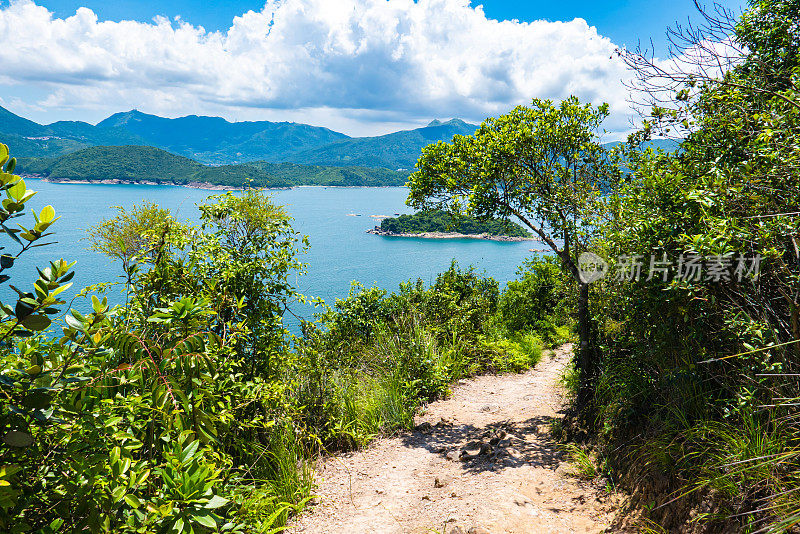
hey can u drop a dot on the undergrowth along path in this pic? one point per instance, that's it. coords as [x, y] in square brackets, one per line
[480, 461]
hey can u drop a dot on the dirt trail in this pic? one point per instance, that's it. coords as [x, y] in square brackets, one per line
[479, 462]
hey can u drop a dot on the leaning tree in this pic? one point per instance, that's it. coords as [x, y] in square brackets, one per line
[542, 164]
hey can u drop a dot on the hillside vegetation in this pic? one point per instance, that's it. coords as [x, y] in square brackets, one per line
[442, 221]
[142, 163]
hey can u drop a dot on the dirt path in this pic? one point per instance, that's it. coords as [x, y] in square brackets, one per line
[479, 462]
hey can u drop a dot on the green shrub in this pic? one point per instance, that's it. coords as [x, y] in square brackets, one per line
[539, 301]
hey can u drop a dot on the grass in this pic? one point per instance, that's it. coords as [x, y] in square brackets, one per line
[556, 428]
[570, 380]
[583, 465]
[512, 354]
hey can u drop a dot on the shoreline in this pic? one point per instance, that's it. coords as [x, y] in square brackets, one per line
[451, 235]
[191, 185]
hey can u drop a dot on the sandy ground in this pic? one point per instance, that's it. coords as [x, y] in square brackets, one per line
[478, 462]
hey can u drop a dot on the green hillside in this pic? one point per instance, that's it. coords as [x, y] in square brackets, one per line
[442, 221]
[215, 140]
[143, 163]
[11, 123]
[398, 150]
[115, 163]
[331, 175]
[31, 140]
[45, 147]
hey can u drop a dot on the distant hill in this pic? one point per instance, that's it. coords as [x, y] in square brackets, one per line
[30, 139]
[114, 163]
[298, 174]
[144, 163]
[398, 150]
[215, 140]
[11, 123]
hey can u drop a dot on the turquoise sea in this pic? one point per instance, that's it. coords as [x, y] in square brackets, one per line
[341, 250]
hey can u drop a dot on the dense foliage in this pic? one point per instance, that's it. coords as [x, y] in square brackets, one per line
[148, 164]
[698, 372]
[442, 221]
[298, 174]
[191, 408]
[542, 164]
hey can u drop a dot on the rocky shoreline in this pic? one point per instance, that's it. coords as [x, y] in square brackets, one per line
[449, 235]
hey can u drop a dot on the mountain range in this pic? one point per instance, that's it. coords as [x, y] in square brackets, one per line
[216, 141]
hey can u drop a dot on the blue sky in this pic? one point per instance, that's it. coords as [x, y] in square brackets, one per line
[358, 66]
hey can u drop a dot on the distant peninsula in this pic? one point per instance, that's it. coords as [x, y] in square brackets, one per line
[436, 224]
[150, 165]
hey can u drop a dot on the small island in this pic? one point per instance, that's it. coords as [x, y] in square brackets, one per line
[437, 224]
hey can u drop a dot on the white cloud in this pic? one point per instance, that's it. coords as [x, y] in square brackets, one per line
[352, 61]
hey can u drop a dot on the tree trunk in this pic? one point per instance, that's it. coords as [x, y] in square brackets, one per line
[586, 358]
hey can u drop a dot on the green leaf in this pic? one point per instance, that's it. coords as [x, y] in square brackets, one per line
[133, 501]
[17, 191]
[205, 520]
[118, 492]
[190, 450]
[12, 233]
[60, 289]
[37, 399]
[36, 322]
[72, 322]
[15, 438]
[215, 502]
[47, 214]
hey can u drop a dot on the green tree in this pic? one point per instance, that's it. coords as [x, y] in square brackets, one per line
[542, 164]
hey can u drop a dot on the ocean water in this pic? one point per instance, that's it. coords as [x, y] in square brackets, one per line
[341, 251]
